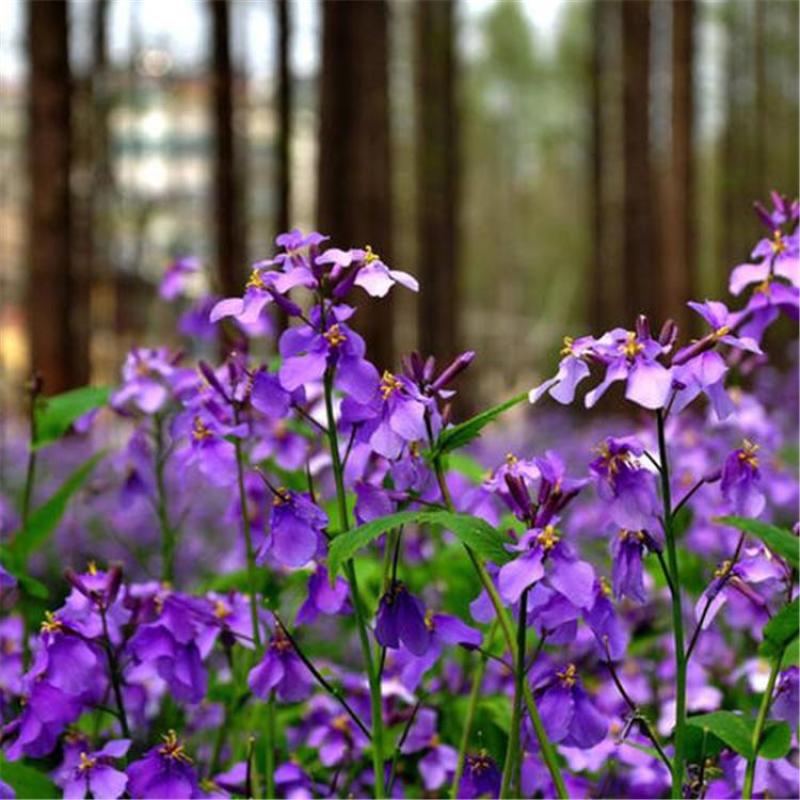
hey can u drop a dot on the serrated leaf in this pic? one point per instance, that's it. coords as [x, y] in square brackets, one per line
[463, 433]
[43, 520]
[472, 531]
[782, 542]
[776, 741]
[27, 781]
[55, 414]
[781, 629]
[735, 730]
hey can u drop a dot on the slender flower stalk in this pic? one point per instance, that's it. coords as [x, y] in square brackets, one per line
[512, 762]
[114, 674]
[376, 706]
[677, 612]
[761, 720]
[34, 389]
[472, 706]
[547, 750]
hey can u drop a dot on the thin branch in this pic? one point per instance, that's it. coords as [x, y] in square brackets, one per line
[400, 742]
[329, 687]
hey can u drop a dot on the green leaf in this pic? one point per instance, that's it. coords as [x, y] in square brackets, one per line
[44, 519]
[55, 414]
[781, 629]
[27, 781]
[473, 531]
[697, 748]
[463, 433]
[734, 729]
[776, 741]
[782, 542]
[467, 466]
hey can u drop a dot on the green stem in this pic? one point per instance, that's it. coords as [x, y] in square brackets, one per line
[376, 708]
[677, 614]
[758, 731]
[512, 751]
[472, 706]
[167, 531]
[269, 747]
[548, 752]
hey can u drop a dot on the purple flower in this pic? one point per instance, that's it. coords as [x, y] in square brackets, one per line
[308, 350]
[281, 670]
[604, 623]
[787, 697]
[296, 523]
[540, 548]
[481, 776]
[365, 270]
[627, 573]
[148, 378]
[165, 772]
[572, 369]
[175, 277]
[568, 715]
[624, 484]
[741, 481]
[401, 618]
[323, 598]
[94, 774]
[444, 630]
[438, 764]
[332, 733]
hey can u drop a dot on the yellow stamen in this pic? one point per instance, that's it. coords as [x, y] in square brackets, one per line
[724, 569]
[256, 281]
[778, 243]
[370, 255]
[172, 748]
[341, 723]
[389, 385]
[747, 454]
[86, 763]
[568, 676]
[631, 348]
[334, 335]
[221, 611]
[723, 331]
[567, 349]
[51, 624]
[605, 586]
[548, 538]
[511, 459]
[91, 568]
[200, 431]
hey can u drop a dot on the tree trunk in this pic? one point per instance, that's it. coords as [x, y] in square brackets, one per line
[228, 216]
[639, 270]
[284, 137]
[53, 290]
[679, 234]
[437, 179]
[354, 188]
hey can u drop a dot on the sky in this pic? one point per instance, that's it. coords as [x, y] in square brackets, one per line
[180, 27]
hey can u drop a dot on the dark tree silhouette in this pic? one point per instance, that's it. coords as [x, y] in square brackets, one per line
[436, 177]
[354, 189]
[640, 271]
[228, 216]
[54, 290]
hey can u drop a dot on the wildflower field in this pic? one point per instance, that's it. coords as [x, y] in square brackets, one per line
[304, 576]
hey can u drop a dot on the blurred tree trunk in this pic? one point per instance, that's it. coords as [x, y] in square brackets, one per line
[679, 231]
[228, 216]
[53, 290]
[283, 152]
[354, 187]
[639, 268]
[436, 178]
[600, 300]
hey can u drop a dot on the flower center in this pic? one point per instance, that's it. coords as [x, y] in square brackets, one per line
[370, 255]
[636, 536]
[86, 763]
[605, 586]
[567, 349]
[280, 641]
[480, 763]
[631, 348]
[568, 676]
[724, 569]
[747, 455]
[778, 243]
[511, 460]
[200, 431]
[389, 384]
[341, 723]
[334, 335]
[765, 286]
[51, 623]
[173, 749]
[548, 538]
[255, 281]
[221, 611]
[722, 331]
[91, 568]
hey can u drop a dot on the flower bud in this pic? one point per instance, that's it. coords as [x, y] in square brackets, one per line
[669, 334]
[459, 364]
